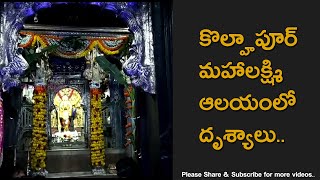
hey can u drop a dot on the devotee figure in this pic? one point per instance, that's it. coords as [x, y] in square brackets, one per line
[62, 123]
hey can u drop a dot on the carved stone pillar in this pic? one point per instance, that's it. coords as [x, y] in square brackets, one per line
[40, 114]
[116, 114]
[97, 145]
[39, 134]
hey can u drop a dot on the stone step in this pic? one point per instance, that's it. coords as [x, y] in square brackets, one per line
[77, 160]
[84, 174]
[73, 160]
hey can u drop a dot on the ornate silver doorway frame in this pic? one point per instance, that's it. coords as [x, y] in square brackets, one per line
[139, 66]
[81, 85]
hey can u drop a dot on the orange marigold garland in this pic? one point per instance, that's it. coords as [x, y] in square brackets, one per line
[46, 40]
[97, 137]
[129, 95]
[39, 134]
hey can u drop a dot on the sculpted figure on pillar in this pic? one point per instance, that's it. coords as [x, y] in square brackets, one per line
[94, 72]
[43, 72]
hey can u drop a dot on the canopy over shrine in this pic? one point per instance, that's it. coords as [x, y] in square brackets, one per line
[108, 40]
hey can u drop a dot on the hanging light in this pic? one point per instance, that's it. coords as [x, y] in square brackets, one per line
[35, 19]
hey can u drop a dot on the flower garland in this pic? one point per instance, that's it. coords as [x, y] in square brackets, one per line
[108, 45]
[39, 134]
[97, 137]
[129, 95]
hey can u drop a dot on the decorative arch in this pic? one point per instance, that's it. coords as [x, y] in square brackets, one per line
[139, 66]
[76, 88]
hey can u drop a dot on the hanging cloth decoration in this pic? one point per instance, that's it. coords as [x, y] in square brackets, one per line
[1, 130]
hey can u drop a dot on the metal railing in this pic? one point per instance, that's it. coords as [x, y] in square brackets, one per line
[24, 123]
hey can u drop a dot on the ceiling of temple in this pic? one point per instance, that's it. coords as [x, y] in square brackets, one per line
[77, 14]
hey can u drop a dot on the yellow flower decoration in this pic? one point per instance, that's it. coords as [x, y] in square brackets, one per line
[97, 138]
[39, 139]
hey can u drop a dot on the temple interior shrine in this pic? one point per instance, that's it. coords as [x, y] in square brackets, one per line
[86, 89]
